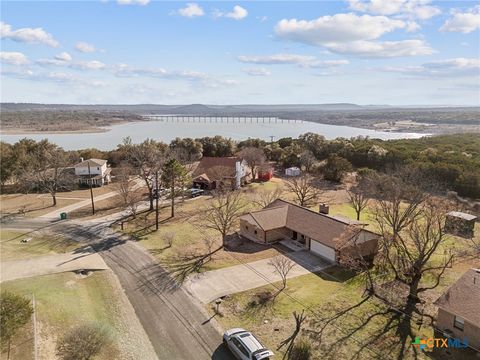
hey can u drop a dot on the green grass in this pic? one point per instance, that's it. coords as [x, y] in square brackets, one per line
[11, 247]
[63, 301]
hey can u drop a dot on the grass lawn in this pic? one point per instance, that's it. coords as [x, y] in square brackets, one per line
[104, 207]
[66, 300]
[40, 243]
[33, 204]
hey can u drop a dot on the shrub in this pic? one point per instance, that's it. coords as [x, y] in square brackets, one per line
[301, 350]
[82, 342]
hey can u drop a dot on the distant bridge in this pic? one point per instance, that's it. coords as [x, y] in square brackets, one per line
[220, 119]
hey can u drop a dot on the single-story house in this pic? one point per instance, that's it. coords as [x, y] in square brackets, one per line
[460, 224]
[292, 171]
[214, 172]
[327, 236]
[95, 170]
[459, 310]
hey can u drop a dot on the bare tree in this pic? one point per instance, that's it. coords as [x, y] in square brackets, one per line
[48, 170]
[358, 196]
[83, 342]
[146, 158]
[410, 256]
[264, 197]
[307, 160]
[223, 212]
[126, 189]
[282, 266]
[290, 341]
[254, 157]
[304, 189]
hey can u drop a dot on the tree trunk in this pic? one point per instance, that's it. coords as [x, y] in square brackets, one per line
[172, 194]
[358, 214]
[151, 199]
[54, 198]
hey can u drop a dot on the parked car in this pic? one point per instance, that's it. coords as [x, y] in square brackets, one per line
[193, 192]
[245, 346]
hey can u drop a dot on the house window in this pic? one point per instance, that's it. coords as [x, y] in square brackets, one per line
[255, 232]
[458, 323]
[246, 227]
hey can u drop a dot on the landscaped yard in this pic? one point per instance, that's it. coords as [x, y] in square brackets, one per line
[66, 300]
[38, 204]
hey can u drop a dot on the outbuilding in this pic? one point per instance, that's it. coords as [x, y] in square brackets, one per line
[292, 171]
[460, 224]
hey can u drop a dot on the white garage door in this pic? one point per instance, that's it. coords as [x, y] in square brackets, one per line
[322, 250]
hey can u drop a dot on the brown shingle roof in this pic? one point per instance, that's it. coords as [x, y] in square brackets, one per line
[93, 162]
[216, 168]
[324, 228]
[463, 297]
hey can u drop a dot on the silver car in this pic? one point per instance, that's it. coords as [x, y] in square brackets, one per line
[245, 346]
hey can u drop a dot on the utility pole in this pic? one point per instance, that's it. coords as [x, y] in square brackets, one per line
[272, 137]
[91, 190]
[157, 195]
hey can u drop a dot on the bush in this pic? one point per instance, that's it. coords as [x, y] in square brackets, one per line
[82, 342]
[301, 350]
[15, 312]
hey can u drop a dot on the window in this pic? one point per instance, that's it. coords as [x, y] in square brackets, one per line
[240, 346]
[246, 227]
[458, 323]
[255, 232]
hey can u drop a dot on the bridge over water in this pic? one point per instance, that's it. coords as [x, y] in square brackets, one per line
[220, 119]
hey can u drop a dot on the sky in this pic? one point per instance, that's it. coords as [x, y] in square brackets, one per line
[397, 52]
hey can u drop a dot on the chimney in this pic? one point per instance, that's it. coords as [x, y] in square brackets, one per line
[81, 159]
[323, 208]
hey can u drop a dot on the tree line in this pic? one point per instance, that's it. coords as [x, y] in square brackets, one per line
[452, 160]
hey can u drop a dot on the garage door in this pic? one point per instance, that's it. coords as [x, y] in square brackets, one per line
[322, 250]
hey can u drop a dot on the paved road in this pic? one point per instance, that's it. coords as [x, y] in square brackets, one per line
[211, 285]
[176, 324]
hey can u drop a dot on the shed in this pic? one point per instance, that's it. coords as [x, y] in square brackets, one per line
[265, 173]
[292, 171]
[460, 224]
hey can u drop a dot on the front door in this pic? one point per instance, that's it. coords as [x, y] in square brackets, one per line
[294, 235]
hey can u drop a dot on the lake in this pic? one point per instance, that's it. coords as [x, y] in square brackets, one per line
[168, 130]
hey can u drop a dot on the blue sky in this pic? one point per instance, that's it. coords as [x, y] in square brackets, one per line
[399, 52]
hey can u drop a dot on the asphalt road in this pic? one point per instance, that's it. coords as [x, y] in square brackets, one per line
[177, 325]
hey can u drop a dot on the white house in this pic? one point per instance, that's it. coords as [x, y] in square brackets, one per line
[95, 169]
[292, 171]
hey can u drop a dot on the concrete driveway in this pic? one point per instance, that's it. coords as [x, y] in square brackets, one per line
[211, 285]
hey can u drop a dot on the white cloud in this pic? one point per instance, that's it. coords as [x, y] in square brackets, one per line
[65, 59]
[133, 2]
[385, 49]
[27, 35]
[64, 56]
[304, 61]
[336, 28]
[57, 77]
[257, 71]
[238, 13]
[419, 9]
[84, 47]
[441, 68]
[464, 22]
[353, 34]
[277, 59]
[191, 10]
[13, 58]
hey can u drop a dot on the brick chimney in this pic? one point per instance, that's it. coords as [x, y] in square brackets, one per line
[323, 208]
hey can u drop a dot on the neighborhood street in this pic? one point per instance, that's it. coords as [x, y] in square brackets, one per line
[176, 324]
